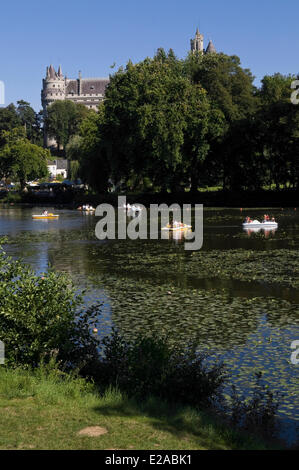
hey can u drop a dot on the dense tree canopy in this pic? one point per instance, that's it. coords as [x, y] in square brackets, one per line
[63, 120]
[20, 159]
[170, 124]
[24, 116]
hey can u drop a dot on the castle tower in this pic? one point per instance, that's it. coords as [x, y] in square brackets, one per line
[197, 42]
[87, 91]
[53, 90]
[211, 49]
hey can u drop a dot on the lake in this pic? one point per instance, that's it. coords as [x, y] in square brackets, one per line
[238, 297]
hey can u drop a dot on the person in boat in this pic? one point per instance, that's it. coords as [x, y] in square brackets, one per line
[45, 212]
[273, 220]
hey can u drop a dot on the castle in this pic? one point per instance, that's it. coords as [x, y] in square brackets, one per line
[56, 86]
[197, 44]
[90, 91]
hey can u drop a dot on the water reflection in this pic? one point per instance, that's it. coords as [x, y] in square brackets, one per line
[267, 232]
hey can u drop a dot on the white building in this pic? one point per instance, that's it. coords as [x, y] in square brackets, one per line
[57, 167]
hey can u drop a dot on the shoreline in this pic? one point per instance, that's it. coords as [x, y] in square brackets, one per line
[215, 199]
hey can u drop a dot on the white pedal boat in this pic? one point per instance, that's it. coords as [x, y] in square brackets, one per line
[256, 224]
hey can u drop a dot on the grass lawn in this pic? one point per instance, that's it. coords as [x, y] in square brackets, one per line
[48, 410]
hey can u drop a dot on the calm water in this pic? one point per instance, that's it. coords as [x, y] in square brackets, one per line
[233, 318]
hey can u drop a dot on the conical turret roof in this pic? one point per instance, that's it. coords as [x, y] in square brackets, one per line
[211, 48]
[52, 72]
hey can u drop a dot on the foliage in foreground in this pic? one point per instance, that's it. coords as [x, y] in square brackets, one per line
[256, 414]
[149, 366]
[40, 317]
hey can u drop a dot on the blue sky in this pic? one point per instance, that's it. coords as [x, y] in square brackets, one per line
[91, 35]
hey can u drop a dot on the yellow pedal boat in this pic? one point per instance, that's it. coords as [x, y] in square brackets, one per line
[44, 216]
[178, 228]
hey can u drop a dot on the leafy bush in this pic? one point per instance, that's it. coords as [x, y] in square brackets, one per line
[40, 315]
[149, 366]
[256, 414]
[13, 197]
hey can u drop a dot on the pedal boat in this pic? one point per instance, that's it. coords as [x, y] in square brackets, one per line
[43, 216]
[179, 228]
[91, 209]
[264, 225]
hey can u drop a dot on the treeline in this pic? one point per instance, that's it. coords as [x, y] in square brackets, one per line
[22, 157]
[174, 125]
[171, 124]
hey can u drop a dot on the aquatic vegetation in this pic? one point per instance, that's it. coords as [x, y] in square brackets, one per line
[269, 267]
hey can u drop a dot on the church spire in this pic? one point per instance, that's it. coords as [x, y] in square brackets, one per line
[197, 42]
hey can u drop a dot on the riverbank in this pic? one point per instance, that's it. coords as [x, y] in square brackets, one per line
[240, 199]
[47, 410]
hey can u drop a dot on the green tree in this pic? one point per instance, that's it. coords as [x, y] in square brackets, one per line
[231, 92]
[151, 110]
[7, 139]
[9, 118]
[94, 167]
[63, 121]
[22, 160]
[31, 122]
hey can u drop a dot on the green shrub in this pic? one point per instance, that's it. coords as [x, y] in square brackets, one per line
[149, 366]
[12, 197]
[40, 315]
[256, 414]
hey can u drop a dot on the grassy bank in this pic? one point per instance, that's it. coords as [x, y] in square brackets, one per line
[47, 410]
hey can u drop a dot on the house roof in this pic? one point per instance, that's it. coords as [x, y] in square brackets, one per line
[94, 85]
[61, 164]
[89, 86]
[72, 87]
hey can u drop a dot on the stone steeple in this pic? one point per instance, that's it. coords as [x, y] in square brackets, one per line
[60, 72]
[197, 42]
